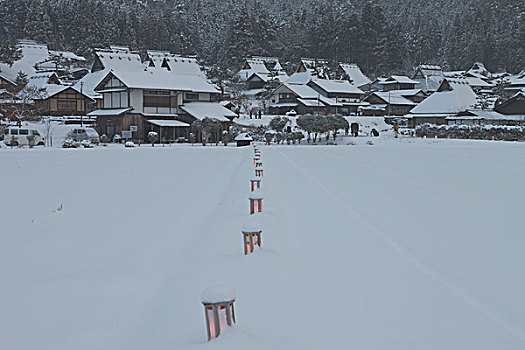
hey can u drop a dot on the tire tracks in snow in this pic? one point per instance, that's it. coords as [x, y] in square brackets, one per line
[405, 253]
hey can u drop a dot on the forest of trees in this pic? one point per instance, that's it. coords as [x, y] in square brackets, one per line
[382, 36]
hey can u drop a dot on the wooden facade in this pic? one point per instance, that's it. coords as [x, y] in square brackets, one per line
[67, 102]
[6, 84]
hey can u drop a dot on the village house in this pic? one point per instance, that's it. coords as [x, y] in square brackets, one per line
[319, 96]
[37, 57]
[57, 99]
[299, 98]
[514, 83]
[347, 97]
[429, 77]
[452, 97]
[315, 67]
[485, 117]
[258, 71]
[352, 73]
[138, 101]
[513, 106]
[395, 102]
[398, 82]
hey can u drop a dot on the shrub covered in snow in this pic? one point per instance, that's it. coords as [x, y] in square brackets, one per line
[153, 137]
[86, 144]
[475, 132]
[129, 144]
[70, 143]
[104, 139]
[277, 124]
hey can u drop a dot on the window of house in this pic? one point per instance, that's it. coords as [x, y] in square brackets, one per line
[66, 105]
[157, 98]
[190, 96]
[116, 100]
[285, 96]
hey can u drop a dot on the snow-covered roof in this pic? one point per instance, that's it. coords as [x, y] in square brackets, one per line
[109, 112]
[257, 194]
[90, 81]
[480, 114]
[161, 79]
[201, 110]
[478, 68]
[68, 55]
[302, 91]
[430, 69]
[300, 78]
[395, 97]
[456, 97]
[401, 79]
[336, 86]
[243, 137]
[41, 79]
[168, 123]
[355, 74]
[32, 54]
[118, 59]
[309, 103]
[184, 65]
[262, 66]
[281, 76]
[477, 82]
[252, 226]
[218, 294]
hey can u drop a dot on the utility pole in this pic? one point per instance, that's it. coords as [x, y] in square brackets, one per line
[82, 104]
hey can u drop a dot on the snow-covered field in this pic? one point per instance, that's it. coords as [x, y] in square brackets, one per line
[406, 244]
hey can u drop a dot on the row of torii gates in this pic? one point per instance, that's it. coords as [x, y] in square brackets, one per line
[218, 301]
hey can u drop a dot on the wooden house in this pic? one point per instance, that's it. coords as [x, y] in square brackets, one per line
[429, 77]
[347, 97]
[485, 117]
[352, 73]
[300, 98]
[258, 71]
[452, 97]
[513, 106]
[6, 83]
[399, 82]
[155, 99]
[395, 102]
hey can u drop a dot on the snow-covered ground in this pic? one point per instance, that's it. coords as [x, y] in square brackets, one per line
[404, 244]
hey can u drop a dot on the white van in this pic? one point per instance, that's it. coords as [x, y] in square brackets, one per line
[15, 136]
[81, 134]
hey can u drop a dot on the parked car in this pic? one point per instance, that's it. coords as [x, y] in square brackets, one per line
[18, 136]
[82, 134]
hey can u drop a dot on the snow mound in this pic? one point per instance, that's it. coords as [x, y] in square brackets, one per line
[252, 226]
[257, 194]
[217, 294]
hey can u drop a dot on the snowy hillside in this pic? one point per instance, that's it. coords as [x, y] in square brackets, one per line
[406, 244]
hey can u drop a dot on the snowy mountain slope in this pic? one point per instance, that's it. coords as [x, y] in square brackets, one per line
[404, 245]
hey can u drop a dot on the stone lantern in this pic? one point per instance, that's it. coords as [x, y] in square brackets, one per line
[218, 309]
[251, 233]
[256, 199]
[259, 171]
[255, 183]
[258, 163]
[256, 159]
